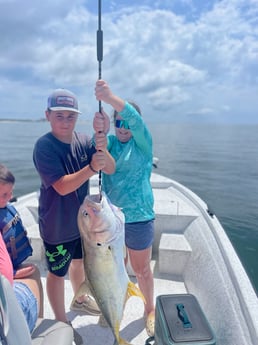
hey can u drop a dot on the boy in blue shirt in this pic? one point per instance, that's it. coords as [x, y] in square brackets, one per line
[65, 161]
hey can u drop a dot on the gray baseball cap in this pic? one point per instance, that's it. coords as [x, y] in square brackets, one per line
[62, 99]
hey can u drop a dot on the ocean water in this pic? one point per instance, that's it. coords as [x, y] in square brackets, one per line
[217, 162]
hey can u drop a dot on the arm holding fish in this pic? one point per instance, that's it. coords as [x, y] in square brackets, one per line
[101, 125]
[104, 160]
[101, 160]
[70, 182]
[101, 122]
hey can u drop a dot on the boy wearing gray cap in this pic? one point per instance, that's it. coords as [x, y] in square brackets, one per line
[65, 161]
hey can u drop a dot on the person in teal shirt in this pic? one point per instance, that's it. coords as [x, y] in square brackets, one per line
[130, 188]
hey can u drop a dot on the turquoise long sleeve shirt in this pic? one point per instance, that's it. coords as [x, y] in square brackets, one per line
[129, 187]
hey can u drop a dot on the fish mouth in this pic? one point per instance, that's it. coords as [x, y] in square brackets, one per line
[93, 201]
[100, 222]
[93, 198]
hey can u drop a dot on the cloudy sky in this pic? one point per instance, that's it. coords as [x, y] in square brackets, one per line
[181, 60]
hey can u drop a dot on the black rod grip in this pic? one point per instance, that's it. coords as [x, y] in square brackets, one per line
[100, 45]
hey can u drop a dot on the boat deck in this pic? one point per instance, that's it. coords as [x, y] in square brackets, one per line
[191, 254]
[132, 327]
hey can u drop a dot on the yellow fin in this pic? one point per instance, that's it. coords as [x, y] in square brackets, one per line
[118, 339]
[133, 290]
[121, 342]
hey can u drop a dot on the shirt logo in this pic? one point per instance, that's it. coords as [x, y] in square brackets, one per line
[84, 158]
[60, 251]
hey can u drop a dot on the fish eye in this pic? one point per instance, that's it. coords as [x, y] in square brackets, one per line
[84, 213]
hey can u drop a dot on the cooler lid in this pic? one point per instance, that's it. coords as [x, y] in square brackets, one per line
[185, 320]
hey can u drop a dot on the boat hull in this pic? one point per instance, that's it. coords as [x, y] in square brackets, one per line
[191, 255]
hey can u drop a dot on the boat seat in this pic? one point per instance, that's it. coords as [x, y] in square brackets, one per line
[47, 332]
[14, 325]
[174, 253]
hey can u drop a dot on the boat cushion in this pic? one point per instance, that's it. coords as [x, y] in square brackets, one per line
[12, 318]
[15, 328]
[47, 332]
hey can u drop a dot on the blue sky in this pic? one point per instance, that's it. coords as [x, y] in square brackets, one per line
[182, 61]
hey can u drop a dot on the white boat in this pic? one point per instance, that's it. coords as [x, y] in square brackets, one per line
[191, 255]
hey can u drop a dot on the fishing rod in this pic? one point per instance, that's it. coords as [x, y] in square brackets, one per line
[100, 58]
[99, 44]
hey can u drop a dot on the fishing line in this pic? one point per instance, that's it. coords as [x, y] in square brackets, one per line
[100, 58]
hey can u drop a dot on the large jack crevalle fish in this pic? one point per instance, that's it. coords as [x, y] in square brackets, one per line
[101, 226]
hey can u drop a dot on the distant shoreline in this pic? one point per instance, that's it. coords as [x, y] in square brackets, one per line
[22, 120]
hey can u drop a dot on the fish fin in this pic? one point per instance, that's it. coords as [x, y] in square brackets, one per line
[121, 341]
[83, 290]
[118, 339]
[133, 290]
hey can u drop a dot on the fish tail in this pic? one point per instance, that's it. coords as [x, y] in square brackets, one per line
[133, 290]
[118, 339]
[121, 341]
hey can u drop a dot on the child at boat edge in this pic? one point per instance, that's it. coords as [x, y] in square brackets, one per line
[26, 282]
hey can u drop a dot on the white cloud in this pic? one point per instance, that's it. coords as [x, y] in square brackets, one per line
[176, 57]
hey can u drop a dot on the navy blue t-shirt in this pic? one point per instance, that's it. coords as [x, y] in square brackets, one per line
[54, 159]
